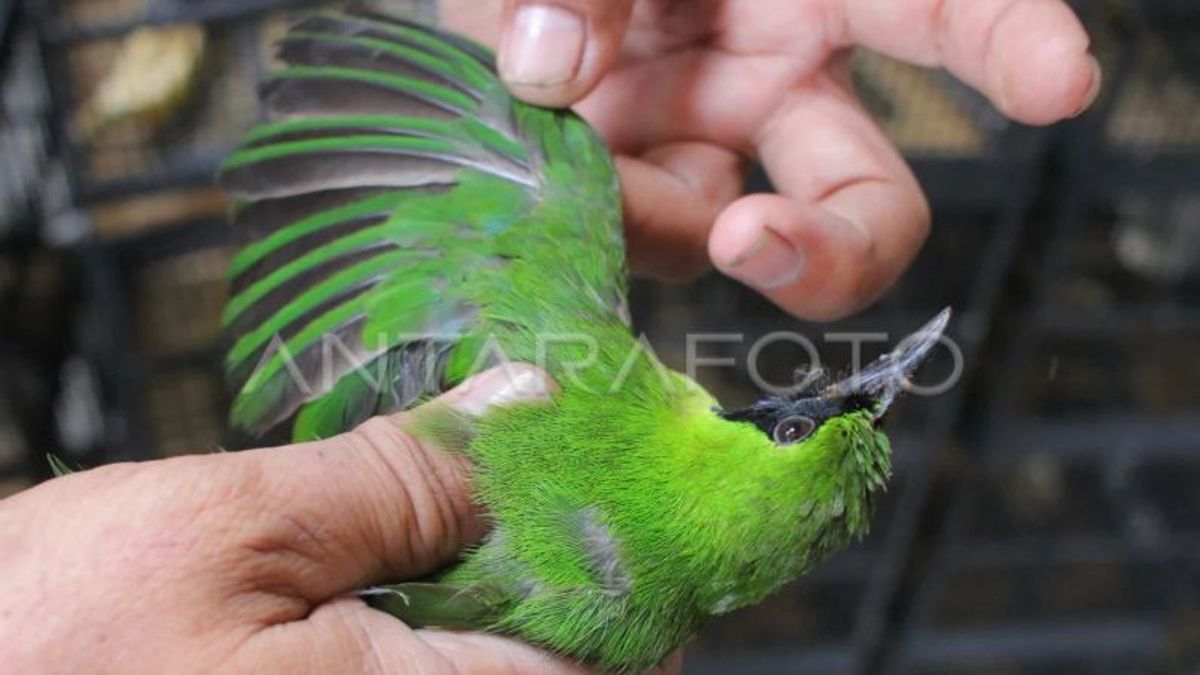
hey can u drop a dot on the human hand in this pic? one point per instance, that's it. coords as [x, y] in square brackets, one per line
[686, 91]
[242, 562]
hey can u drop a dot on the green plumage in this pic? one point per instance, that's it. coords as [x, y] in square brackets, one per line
[407, 223]
[398, 209]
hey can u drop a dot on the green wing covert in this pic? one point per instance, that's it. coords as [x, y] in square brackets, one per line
[394, 209]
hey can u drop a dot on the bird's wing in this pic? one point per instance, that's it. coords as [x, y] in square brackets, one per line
[394, 208]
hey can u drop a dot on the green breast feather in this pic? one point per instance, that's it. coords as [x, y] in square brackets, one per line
[404, 223]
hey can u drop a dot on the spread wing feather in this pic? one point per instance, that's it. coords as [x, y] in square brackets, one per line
[384, 207]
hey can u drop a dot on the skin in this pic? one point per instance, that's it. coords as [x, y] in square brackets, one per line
[717, 83]
[241, 562]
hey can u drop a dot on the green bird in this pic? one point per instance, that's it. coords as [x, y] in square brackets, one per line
[407, 223]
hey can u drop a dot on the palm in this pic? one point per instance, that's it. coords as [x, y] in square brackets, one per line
[696, 87]
[715, 73]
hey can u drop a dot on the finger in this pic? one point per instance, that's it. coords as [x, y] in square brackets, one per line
[481, 21]
[1029, 56]
[672, 196]
[554, 52]
[346, 636]
[483, 653]
[694, 94]
[370, 504]
[849, 219]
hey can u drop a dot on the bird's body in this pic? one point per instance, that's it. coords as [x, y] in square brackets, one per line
[632, 528]
[407, 223]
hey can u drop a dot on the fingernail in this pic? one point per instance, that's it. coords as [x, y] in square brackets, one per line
[503, 386]
[544, 47]
[770, 262]
[1094, 89]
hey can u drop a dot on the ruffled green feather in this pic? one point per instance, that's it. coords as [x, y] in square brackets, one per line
[474, 189]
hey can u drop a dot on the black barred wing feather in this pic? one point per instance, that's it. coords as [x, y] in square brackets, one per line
[383, 209]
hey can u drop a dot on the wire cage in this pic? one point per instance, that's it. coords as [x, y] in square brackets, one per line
[1068, 542]
[23, 133]
[154, 251]
[1041, 518]
[172, 370]
[32, 283]
[194, 65]
[144, 218]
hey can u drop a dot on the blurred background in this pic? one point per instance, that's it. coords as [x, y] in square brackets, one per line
[1045, 514]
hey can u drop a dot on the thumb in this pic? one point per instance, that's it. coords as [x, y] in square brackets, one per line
[377, 502]
[554, 52]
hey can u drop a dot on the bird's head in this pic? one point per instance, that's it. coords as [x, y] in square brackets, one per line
[819, 457]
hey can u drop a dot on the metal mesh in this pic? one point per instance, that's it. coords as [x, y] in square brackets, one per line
[1044, 516]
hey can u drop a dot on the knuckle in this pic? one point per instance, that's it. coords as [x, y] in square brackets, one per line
[280, 552]
[421, 503]
[266, 538]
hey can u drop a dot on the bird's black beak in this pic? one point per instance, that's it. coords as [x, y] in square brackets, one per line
[881, 380]
[871, 389]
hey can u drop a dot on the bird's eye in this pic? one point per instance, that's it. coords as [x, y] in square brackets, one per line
[793, 429]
